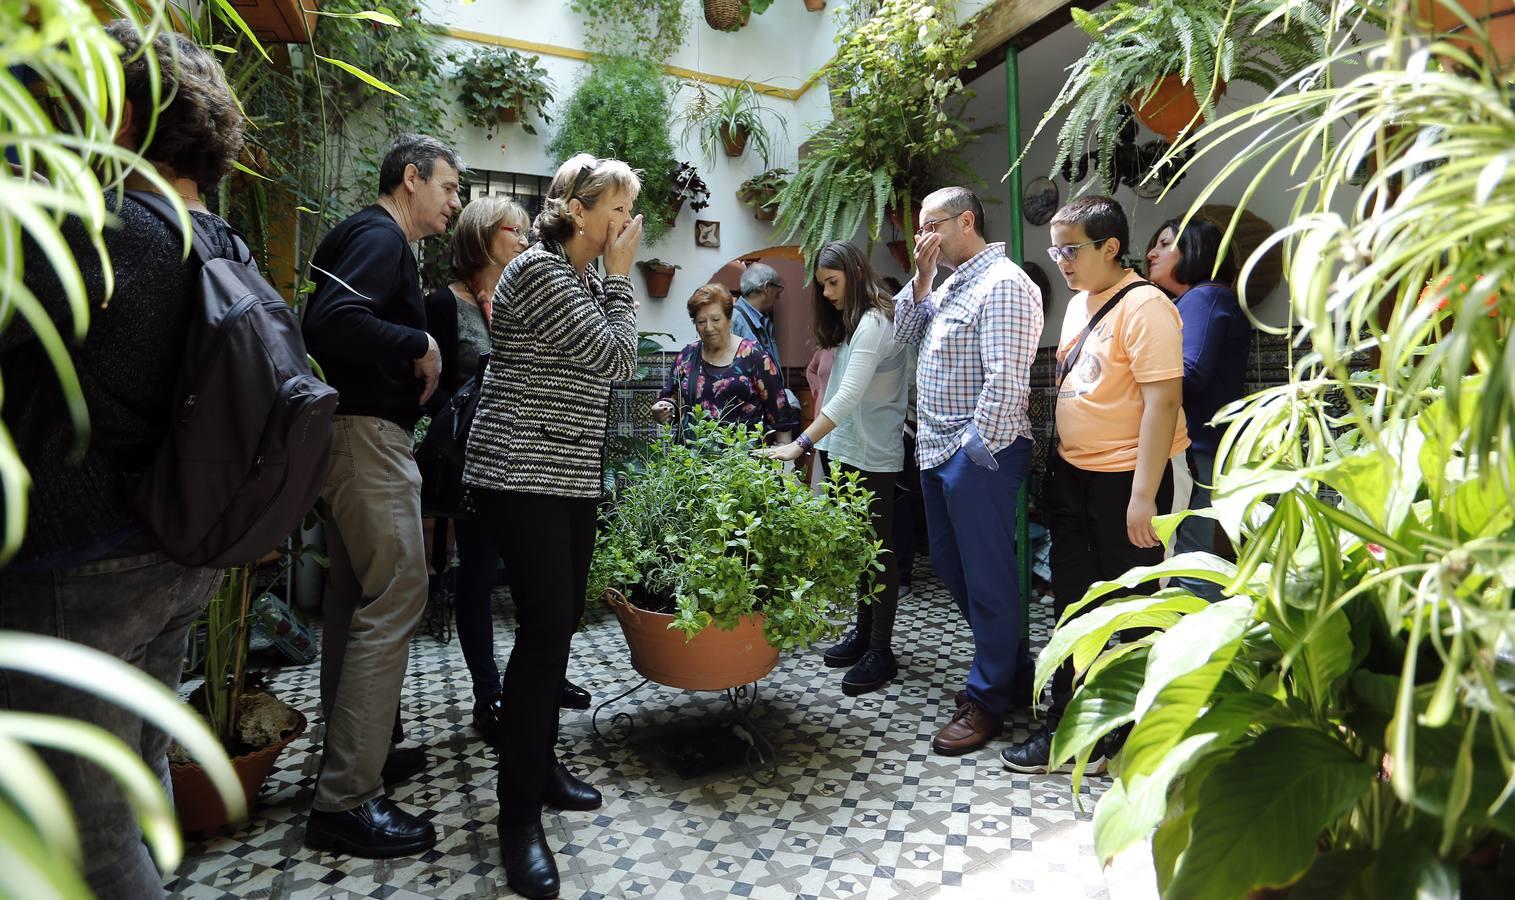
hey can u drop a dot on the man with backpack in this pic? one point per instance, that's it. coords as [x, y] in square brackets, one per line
[366, 325]
[91, 568]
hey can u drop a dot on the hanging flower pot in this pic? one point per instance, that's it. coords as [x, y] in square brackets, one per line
[723, 15]
[1172, 107]
[735, 141]
[901, 253]
[766, 213]
[815, 5]
[509, 115]
[1496, 16]
[658, 275]
[712, 660]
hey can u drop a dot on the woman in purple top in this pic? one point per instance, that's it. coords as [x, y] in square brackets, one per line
[731, 378]
[1216, 340]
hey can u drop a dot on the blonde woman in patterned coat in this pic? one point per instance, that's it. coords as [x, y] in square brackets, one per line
[560, 335]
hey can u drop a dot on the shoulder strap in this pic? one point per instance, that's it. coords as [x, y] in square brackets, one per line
[1068, 362]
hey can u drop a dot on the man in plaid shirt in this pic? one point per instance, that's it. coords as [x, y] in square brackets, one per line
[977, 335]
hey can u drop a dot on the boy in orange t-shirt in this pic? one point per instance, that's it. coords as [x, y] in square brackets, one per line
[1119, 421]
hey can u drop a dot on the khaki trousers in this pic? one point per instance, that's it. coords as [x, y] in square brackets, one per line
[375, 598]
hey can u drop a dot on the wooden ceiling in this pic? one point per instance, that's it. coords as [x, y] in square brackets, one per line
[1015, 24]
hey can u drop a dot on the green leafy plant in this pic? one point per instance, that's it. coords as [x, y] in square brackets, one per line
[654, 29]
[761, 191]
[1347, 717]
[730, 118]
[622, 109]
[897, 90]
[711, 534]
[496, 86]
[1209, 44]
[660, 265]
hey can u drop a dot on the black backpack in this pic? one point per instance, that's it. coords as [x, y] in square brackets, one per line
[246, 452]
[441, 454]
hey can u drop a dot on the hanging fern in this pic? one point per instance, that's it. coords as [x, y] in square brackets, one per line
[1209, 43]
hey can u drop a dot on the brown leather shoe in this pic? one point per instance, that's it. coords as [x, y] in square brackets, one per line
[971, 728]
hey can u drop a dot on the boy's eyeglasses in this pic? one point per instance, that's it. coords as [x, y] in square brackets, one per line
[1069, 252]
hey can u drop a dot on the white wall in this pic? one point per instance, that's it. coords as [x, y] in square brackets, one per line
[780, 47]
[1042, 73]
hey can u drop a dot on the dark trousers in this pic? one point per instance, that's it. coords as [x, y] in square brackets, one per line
[478, 565]
[907, 492]
[1086, 515]
[876, 619]
[970, 520]
[547, 542]
[138, 609]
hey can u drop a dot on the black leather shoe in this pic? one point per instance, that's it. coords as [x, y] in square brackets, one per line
[572, 696]
[1033, 756]
[487, 718]
[403, 764]
[530, 869]
[876, 669]
[376, 830]
[851, 649]
[567, 792]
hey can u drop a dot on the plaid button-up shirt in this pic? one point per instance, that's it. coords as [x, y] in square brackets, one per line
[977, 335]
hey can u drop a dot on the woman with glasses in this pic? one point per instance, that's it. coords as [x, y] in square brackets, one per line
[560, 334]
[861, 427]
[1216, 340]
[731, 378]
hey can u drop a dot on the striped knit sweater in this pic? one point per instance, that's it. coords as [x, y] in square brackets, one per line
[557, 343]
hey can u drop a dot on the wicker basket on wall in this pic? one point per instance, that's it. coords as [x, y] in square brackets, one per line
[723, 15]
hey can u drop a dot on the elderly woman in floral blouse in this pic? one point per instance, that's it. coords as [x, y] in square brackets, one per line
[731, 378]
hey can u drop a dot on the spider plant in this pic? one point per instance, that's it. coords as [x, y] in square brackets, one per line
[1345, 722]
[729, 118]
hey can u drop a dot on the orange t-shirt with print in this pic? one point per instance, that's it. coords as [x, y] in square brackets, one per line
[1099, 407]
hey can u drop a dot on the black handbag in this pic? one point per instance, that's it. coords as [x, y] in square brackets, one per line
[441, 454]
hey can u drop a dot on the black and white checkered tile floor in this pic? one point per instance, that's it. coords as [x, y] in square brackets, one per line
[859, 807]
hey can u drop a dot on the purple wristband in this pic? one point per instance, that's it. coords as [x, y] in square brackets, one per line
[804, 441]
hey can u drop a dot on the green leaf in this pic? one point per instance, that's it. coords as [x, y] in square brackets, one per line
[1205, 566]
[367, 14]
[1321, 656]
[1084, 636]
[1210, 634]
[1098, 707]
[358, 73]
[1273, 798]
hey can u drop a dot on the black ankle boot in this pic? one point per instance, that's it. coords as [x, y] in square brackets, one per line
[848, 651]
[530, 869]
[567, 792]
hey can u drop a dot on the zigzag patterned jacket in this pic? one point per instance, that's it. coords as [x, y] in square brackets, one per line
[557, 342]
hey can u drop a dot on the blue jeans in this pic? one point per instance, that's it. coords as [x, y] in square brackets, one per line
[971, 522]
[1195, 533]
[138, 609]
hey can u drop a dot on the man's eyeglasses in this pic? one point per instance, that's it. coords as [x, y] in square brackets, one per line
[1069, 252]
[931, 225]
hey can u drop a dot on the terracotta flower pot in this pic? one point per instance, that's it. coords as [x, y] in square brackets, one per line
[195, 799]
[766, 213]
[712, 660]
[815, 5]
[1171, 107]
[508, 114]
[659, 280]
[1495, 16]
[901, 253]
[735, 142]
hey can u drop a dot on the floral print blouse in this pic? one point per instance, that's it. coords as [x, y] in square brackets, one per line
[750, 391]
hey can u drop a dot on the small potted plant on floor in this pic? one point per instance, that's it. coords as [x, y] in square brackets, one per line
[253, 725]
[659, 276]
[1170, 61]
[496, 87]
[761, 193]
[715, 560]
[730, 118]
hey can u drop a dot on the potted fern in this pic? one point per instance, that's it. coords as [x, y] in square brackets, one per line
[729, 118]
[761, 193]
[497, 87]
[714, 560]
[1170, 61]
[1339, 726]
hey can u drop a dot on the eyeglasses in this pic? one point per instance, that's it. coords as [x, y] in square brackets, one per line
[512, 229]
[1069, 252]
[931, 225]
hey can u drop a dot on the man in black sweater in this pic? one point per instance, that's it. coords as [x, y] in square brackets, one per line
[365, 324]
